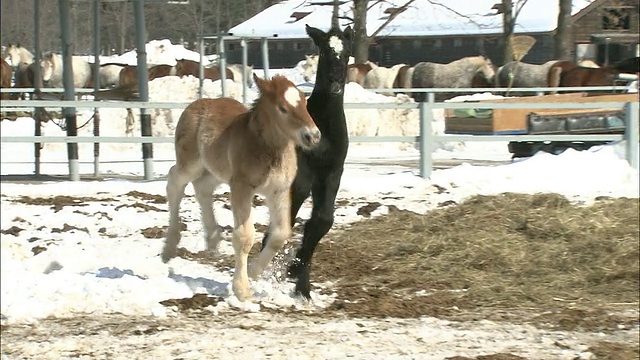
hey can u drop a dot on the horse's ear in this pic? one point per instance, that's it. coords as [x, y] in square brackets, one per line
[261, 83]
[348, 33]
[316, 34]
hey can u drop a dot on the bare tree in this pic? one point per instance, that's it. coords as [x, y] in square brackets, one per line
[563, 40]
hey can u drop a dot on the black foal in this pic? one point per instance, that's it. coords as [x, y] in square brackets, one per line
[320, 170]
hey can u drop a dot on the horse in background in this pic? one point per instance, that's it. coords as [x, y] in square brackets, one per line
[585, 76]
[6, 76]
[158, 71]
[216, 142]
[52, 69]
[237, 71]
[110, 75]
[190, 67]
[404, 77]
[456, 74]
[22, 61]
[522, 75]
[309, 67]
[382, 78]
[18, 55]
[358, 72]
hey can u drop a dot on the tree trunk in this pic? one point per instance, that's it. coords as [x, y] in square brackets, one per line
[563, 48]
[508, 22]
[361, 40]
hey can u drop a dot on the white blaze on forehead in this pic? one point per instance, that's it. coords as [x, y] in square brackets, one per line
[336, 44]
[292, 95]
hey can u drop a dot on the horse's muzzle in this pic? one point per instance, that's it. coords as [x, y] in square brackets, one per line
[310, 137]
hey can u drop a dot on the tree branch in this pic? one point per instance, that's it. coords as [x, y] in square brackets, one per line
[395, 14]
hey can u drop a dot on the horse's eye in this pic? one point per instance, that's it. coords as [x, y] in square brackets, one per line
[282, 109]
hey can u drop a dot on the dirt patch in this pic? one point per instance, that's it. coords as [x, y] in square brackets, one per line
[196, 302]
[139, 205]
[58, 202]
[615, 351]
[14, 230]
[156, 199]
[66, 227]
[159, 232]
[574, 265]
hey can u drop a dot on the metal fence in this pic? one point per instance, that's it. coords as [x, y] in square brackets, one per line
[424, 138]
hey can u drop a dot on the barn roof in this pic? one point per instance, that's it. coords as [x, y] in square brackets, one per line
[287, 19]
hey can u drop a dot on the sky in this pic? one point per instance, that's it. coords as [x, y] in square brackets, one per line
[110, 267]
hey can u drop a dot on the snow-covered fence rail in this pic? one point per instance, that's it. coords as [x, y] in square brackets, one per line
[425, 136]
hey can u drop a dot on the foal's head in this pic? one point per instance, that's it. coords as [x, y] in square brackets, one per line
[287, 108]
[335, 49]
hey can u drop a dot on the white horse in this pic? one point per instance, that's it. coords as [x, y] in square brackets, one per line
[236, 69]
[110, 75]
[52, 71]
[309, 66]
[382, 78]
[17, 55]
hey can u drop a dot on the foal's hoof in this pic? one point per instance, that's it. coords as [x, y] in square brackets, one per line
[303, 289]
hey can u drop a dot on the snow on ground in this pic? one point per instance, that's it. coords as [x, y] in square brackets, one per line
[84, 272]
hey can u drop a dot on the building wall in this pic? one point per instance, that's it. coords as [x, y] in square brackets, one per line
[286, 53]
[617, 19]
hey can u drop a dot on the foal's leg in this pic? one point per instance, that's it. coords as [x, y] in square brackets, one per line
[279, 231]
[177, 180]
[241, 197]
[299, 192]
[204, 187]
[323, 193]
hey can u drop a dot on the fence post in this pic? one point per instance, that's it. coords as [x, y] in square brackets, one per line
[265, 57]
[143, 87]
[222, 63]
[69, 92]
[631, 133]
[426, 136]
[245, 56]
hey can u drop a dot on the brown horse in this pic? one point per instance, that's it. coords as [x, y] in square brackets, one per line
[6, 74]
[253, 151]
[585, 76]
[190, 67]
[129, 73]
[159, 71]
[25, 78]
[358, 72]
[555, 72]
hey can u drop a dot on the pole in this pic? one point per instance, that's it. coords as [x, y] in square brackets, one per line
[426, 134]
[265, 57]
[201, 66]
[222, 62]
[245, 56]
[37, 147]
[69, 91]
[143, 87]
[96, 84]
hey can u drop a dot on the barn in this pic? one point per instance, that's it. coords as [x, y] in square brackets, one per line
[604, 30]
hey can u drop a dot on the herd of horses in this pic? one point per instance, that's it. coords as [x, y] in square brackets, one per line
[480, 72]
[19, 63]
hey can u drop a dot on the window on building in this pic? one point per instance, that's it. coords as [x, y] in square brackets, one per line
[231, 46]
[616, 18]
[416, 44]
[279, 46]
[437, 43]
[457, 42]
[299, 46]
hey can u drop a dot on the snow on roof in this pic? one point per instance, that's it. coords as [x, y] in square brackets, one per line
[422, 18]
